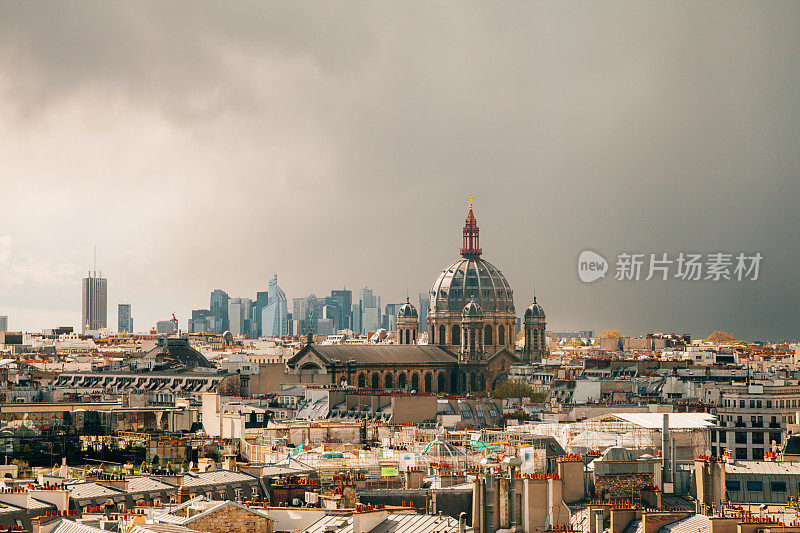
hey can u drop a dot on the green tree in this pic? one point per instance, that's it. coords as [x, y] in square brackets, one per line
[513, 388]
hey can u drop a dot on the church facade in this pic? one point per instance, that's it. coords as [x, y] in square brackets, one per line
[471, 335]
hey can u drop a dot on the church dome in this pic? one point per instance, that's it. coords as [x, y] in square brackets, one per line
[471, 278]
[535, 310]
[472, 309]
[468, 279]
[407, 310]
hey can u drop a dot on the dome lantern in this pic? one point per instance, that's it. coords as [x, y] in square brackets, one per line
[471, 248]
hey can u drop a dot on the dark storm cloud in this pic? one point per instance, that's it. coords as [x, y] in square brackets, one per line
[337, 143]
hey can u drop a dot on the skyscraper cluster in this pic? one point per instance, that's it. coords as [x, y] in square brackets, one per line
[271, 314]
[264, 315]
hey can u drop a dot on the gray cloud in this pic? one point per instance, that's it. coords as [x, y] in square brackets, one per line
[202, 145]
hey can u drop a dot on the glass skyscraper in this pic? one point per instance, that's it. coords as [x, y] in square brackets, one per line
[124, 318]
[219, 309]
[273, 317]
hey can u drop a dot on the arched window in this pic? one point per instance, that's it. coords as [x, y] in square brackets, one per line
[401, 381]
[415, 381]
[456, 335]
[535, 340]
[472, 341]
[442, 335]
[482, 382]
[440, 382]
[376, 380]
[501, 335]
[473, 382]
[362, 381]
[408, 336]
[388, 381]
[428, 382]
[487, 335]
[432, 338]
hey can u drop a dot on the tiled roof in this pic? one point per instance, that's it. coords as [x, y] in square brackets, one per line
[34, 503]
[172, 518]
[394, 523]
[89, 490]
[693, 524]
[763, 467]
[68, 526]
[161, 528]
[146, 484]
[390, 354]
[215, 477]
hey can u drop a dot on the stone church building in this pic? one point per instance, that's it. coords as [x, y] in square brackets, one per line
[471, 336]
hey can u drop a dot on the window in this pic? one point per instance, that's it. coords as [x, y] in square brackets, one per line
[713, 436]
[741, 453]
[741, 404]
[741, 437]
[758, 404]
[752, 404]
[775, 437]
[758, 437]
[723, 436]
[769, 404]
[755, 486]
[777, 486]
[758, 454]
[734, 486]
[260, 417]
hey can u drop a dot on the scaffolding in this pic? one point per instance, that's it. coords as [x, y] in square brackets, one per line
[636, 433]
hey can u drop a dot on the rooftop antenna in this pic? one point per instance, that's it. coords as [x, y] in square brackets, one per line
[94, 264]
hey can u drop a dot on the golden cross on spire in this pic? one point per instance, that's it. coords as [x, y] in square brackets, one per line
[470, 200]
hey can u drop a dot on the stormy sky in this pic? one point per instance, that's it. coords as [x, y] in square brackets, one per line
[209, 145]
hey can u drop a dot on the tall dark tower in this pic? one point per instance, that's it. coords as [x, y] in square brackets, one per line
[535, 339]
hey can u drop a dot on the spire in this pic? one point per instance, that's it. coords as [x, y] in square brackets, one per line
[471, 236]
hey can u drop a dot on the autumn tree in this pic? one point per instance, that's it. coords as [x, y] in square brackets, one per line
[720, 337]
[610, 334]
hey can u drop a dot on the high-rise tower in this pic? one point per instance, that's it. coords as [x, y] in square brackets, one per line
[94, 309]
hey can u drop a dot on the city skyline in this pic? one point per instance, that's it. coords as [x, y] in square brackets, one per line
[338, 145]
